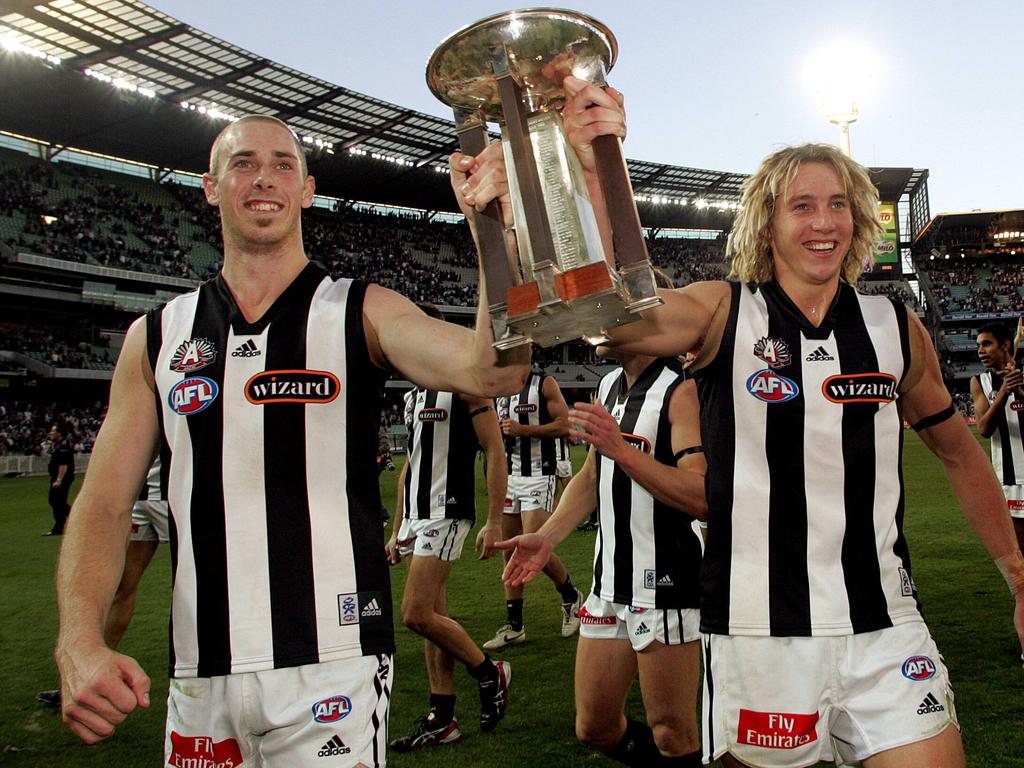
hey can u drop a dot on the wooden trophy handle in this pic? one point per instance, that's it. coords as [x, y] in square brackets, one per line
[627, 234]
[490, 229]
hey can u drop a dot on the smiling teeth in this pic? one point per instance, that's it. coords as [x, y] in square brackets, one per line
[265, 207]
[822, 246]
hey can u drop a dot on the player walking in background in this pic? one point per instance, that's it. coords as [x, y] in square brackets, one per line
[998, 395]
[435, 510]
[532, 421]
[645, 464]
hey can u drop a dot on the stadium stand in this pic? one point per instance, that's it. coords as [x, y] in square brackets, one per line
[971, 271]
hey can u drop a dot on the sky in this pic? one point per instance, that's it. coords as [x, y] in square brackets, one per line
[717, 85]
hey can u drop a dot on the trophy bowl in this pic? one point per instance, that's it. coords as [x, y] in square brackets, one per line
[545, 44]
[558, 280]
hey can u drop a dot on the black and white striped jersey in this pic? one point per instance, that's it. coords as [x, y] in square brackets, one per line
[530, 456]
[441, 479]
[647, 553]
[272, 481]
[152, 488]
[803, 436]
[1006, 443]
[562, 449]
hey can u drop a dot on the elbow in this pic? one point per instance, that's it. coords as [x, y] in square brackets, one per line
[502, 382]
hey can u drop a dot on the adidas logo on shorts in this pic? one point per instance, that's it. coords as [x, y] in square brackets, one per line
[642, 630]
[333, 747]
[248, 349]
[819, 355]
[372, 608]
[930, 705]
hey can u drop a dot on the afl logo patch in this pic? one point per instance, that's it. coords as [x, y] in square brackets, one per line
[192, 355]
[433, 414]
[192, 395]
[332, 710]
[637, 441]
[770, 387]
[860, 388]
[295, 386]
[525, 408]
[919, 668]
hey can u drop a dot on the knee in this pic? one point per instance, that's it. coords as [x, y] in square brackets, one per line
[596, 734]
[675, 735]
[416, 618]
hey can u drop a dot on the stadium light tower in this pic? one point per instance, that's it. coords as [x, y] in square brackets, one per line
[840, 74]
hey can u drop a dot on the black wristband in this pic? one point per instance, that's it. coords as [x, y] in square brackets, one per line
[935, 418]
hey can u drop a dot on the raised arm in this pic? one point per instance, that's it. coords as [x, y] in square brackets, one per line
[100, 687]
[488, 433]
[969, 471]
[439, 355]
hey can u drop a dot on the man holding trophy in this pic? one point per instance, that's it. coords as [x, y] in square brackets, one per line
[806, 566]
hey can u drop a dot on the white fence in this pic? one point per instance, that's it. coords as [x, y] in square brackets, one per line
[36, 465]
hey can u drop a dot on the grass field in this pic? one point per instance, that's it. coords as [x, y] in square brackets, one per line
[966, 603]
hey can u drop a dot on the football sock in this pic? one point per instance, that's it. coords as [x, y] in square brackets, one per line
[567, 590]
[690, 760]
[636, 747]
[484, 671]
[443, 706]
[515, 613]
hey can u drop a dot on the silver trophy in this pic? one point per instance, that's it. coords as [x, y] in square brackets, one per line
[556, 282]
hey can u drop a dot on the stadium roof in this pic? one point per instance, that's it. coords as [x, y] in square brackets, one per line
[168, 78]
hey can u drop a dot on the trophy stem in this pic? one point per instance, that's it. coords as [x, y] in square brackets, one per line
[538, 228]
[627, 234]
[499, 276]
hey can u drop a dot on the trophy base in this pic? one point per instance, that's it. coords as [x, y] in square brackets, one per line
[583, 303]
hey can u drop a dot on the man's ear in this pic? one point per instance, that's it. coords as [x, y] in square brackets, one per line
[308, 190]
[210, 189]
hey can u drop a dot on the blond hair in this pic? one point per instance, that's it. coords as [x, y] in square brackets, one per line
[215, 150]
[750, 241]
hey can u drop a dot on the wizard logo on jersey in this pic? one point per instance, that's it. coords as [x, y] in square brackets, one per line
[192, 355]
[773, 351]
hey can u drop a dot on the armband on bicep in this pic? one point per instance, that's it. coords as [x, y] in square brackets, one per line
[687, 451]
[478, 411]
[936, 418]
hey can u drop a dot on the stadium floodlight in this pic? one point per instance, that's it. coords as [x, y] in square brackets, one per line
[841, 74]
[11, 43]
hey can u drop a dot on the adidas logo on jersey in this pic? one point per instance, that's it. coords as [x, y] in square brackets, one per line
[819, 355]
[642, 630]
[248, 349]
[372, 608]
[666, 581]
[333, 747]
[930, 705]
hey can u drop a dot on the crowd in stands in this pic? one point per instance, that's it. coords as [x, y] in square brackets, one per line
[55, 347]
[897, 292]
[964, 403]
[689, 261]
[982, 284]
[93, 221]
[24, 426]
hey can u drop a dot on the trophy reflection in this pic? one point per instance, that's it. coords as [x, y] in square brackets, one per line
[556, 282]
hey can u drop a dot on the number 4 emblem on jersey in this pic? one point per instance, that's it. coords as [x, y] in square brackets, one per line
[773, 351]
